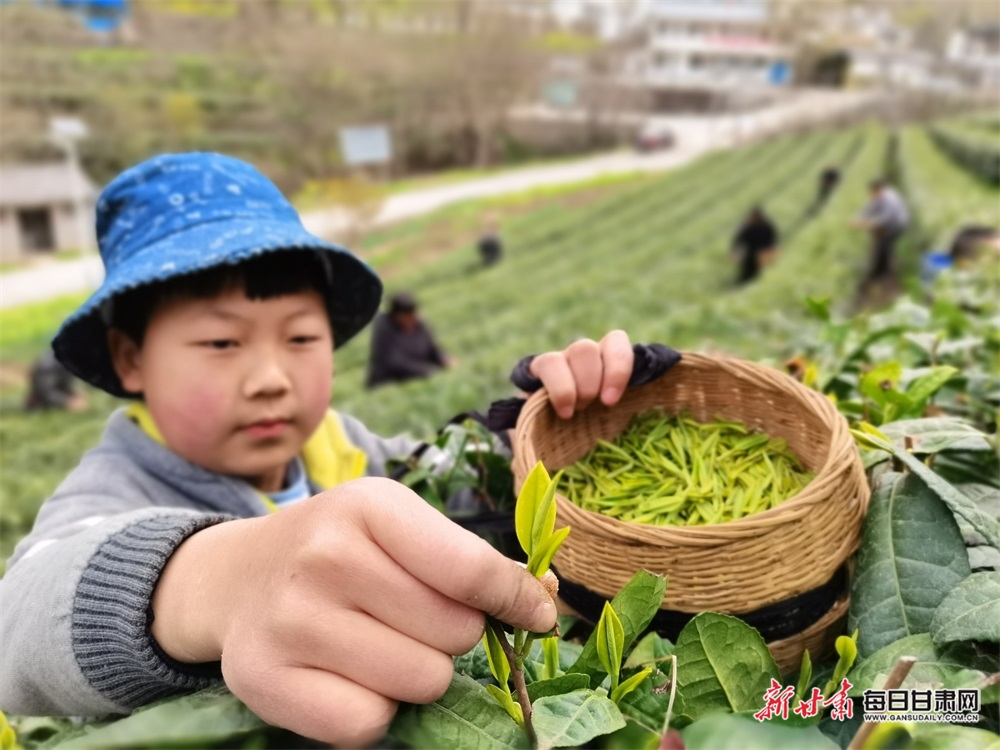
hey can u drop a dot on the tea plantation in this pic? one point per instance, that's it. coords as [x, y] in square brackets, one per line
[917, 376]
[651, 258]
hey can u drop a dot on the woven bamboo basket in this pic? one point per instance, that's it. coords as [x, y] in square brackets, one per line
[818, 639]
[733, 567]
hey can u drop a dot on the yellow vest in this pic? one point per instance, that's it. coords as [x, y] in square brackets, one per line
[329, 456]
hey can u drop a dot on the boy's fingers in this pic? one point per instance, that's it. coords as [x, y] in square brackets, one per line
[554, 371]
[618, 358]
[584, 358]
[410, 606]
[356, 646]
[321, 705]
[459, 564]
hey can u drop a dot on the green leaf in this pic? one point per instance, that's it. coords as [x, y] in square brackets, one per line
[647, 704]
[198, 720]
[819, 308]
[566, 683]
[805, 676]
[573, 719]
[506, 700]
[610, 643]
[935, 434]
[951, 737]
[911, 555]
[499, 667]
[881, 381]
[722, 665]
[959, 503]
[535, 512]
[971, 612]
[631, 737]
[475, 663]
[636, 604]
[926, 385]
[541, 558]
[889, 735]
[930, 382]
[957, 665]
[464, 717]
[729, 732]
[651, 651]
[629, 685]
[847, 651]
[550, 654]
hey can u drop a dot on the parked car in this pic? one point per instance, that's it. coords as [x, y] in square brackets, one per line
[655, 140]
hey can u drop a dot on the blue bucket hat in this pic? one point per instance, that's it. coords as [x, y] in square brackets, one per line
[180, 214]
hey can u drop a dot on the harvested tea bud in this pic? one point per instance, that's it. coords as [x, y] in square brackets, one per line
[680, 472]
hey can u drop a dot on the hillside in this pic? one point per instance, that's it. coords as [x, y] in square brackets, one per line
[271, 83]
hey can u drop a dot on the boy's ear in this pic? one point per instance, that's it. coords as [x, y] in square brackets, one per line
[126, 358]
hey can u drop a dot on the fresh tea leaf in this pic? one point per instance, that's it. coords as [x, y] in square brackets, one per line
[573, 719]
[566, 683]
[541, 558]
[535, 512]
[882, 381]
[959, 503]
[805, 676]
[629, 685]
[636, 604]
[464, 717]
[729, 732]
[496, 657]
[951, 737]
[505, 699]
[653, 650]
[847, 651]
[610, 642]
[971, 612]
[926, 385]
[199, 720]
[911, 556]
[722, 665]
[953, 666]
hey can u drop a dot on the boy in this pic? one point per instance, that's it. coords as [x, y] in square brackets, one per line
[157, 566]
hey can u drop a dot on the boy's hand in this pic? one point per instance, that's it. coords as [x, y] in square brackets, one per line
[585, 370]
[326, 614]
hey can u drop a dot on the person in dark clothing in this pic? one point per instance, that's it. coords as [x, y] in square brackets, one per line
[51, 386]
[756, 239]
[829, 178]
[402, 346]
[490, 245]
[970, 241]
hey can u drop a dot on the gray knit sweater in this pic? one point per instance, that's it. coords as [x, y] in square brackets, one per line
[75, 601]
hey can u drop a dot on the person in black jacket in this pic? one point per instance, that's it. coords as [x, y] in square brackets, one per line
[756, 239]
[51, 386]
[402, 346]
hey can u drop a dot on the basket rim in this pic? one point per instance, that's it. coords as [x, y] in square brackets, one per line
[791, 509]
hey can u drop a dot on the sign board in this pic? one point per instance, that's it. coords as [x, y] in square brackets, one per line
[780, 73]
[67, 128]
[365, 144]
[561, 93]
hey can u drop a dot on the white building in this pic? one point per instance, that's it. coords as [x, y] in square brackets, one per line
[713, 44]
[44, 208]
[976, 53]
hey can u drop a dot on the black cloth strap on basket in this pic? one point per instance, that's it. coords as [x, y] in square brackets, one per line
[774, 622]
